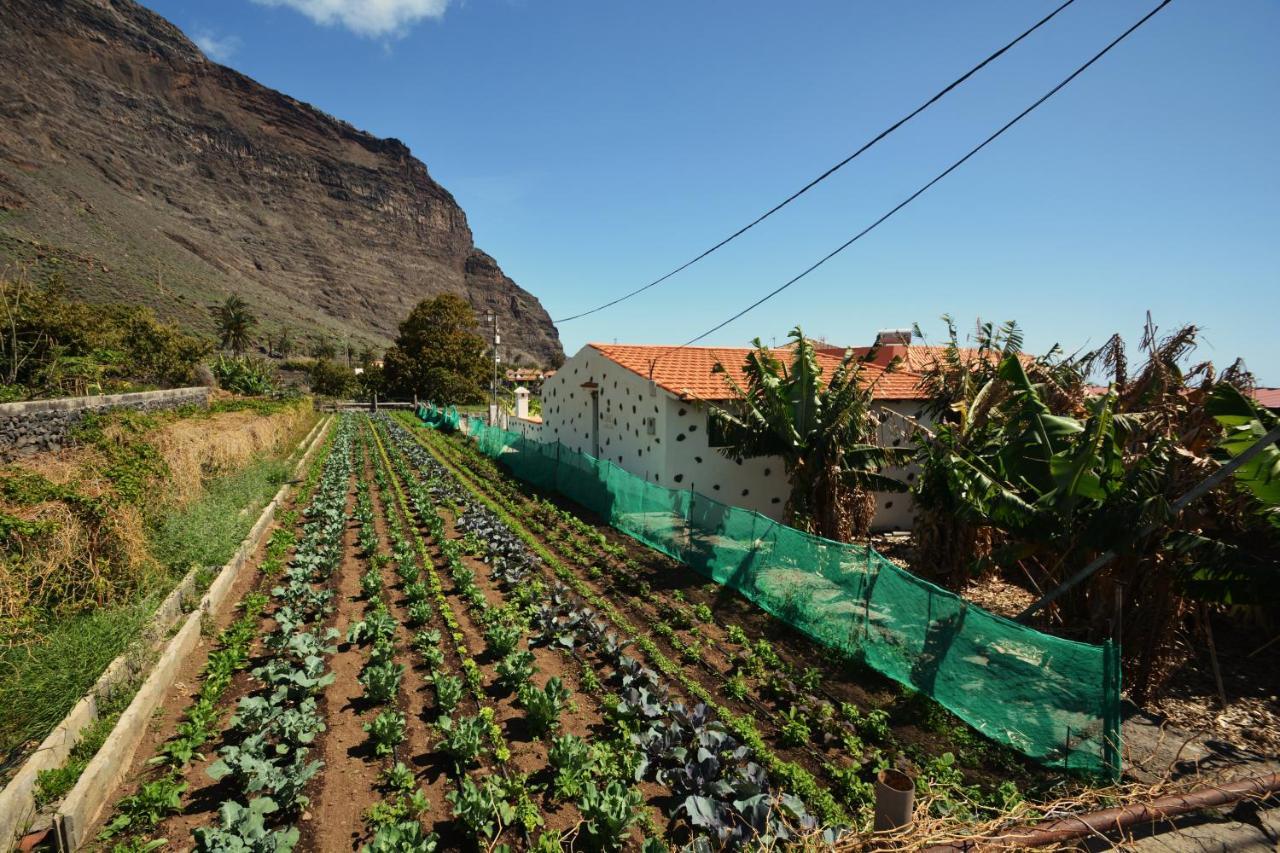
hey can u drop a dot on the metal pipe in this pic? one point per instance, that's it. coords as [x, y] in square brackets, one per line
[1118, 819]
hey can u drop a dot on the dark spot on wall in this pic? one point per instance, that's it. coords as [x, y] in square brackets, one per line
[619, 457]
[767, 471]
[655, 410]
[679, 478]
[897, 442]
[910, 477]
[746, 492]
[776, 501]
[639, 451]
[680, 437]
[693, 427]
[698, 459]
[716, 487]
[888, 504]
[633, 410]
[681, 412]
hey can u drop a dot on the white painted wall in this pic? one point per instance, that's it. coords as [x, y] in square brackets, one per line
[758, 484]
[625, 403]
[677, 454]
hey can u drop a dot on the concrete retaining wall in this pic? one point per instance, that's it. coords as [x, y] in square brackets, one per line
[40, 425]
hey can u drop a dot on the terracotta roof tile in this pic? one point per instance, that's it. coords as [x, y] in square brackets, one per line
[1267, 397]
[687, 371]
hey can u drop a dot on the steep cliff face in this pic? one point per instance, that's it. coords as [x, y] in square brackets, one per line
[134, 169]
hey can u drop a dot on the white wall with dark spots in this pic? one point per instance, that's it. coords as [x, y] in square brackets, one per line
[758, 484]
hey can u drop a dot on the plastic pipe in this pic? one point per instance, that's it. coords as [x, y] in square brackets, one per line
[895, 800]
[1116, 819]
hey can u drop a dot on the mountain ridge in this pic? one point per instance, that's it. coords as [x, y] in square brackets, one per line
[135, 169]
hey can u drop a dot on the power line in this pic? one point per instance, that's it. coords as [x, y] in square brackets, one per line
[957, 164]
[829, 172]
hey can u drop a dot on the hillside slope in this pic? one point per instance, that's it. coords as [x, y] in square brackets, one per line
[137, 170]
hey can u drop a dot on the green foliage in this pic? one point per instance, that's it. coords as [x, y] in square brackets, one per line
[482, 809]
[570, 759]
[406, 836]
[543, 707]
[795, 728]
[438, 355]
[381, 681]
[515, 670]
[386, 731]
[243, 829]
[608, 813]
[462, 739]
[56, 346]
[824, 429]
[418, 613]
[448, 691]
[331, 379]
[245, 374]
[154, 801]
[501, 639]
[235, 324]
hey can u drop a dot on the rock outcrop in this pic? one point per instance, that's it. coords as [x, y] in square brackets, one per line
[134, 169]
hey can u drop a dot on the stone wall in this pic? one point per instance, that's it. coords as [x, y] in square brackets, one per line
[40, 425]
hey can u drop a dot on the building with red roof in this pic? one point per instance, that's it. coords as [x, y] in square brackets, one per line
[645, 408]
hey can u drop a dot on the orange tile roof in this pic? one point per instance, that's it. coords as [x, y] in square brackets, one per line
[1268, 398]
[687, 371]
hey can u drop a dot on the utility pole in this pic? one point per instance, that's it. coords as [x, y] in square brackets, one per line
[492, 320]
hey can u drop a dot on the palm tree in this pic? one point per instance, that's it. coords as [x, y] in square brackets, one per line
[235, 324]
[825, 433]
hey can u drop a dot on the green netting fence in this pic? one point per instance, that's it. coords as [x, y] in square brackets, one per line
[1054, 700]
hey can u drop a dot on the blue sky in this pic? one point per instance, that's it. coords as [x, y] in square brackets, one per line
[595, 145]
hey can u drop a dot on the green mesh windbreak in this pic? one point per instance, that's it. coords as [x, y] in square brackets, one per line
[1054, 700]
[446, 420]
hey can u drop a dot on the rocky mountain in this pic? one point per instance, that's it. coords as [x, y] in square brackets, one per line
[134, 169]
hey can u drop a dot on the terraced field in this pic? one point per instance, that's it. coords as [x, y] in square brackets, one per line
[428, 657]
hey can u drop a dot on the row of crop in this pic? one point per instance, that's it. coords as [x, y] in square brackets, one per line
[159, 796]
[495, 797]
[267, 758]
[851, 744]
[726, 793]
[788, 774]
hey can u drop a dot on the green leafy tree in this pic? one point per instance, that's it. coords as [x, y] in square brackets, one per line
[332, 379]
[235, 323]
[1058, 481]
[824, 431]
[438, 355]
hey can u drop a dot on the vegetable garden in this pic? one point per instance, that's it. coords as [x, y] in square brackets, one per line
[430, 657]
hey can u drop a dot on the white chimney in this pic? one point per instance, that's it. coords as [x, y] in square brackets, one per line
[522, 402]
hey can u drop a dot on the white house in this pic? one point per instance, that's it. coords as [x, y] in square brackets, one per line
[645, 409]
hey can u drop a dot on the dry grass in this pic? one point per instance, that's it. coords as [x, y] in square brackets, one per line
[196, 449]
[1000, 832]
[80, 558]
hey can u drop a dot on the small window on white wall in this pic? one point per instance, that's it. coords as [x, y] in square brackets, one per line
[651, 426]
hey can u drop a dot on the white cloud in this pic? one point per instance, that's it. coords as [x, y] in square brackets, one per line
[366, 17]
[216, 47]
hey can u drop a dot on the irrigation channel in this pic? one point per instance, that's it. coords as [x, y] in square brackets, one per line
[428, 657]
